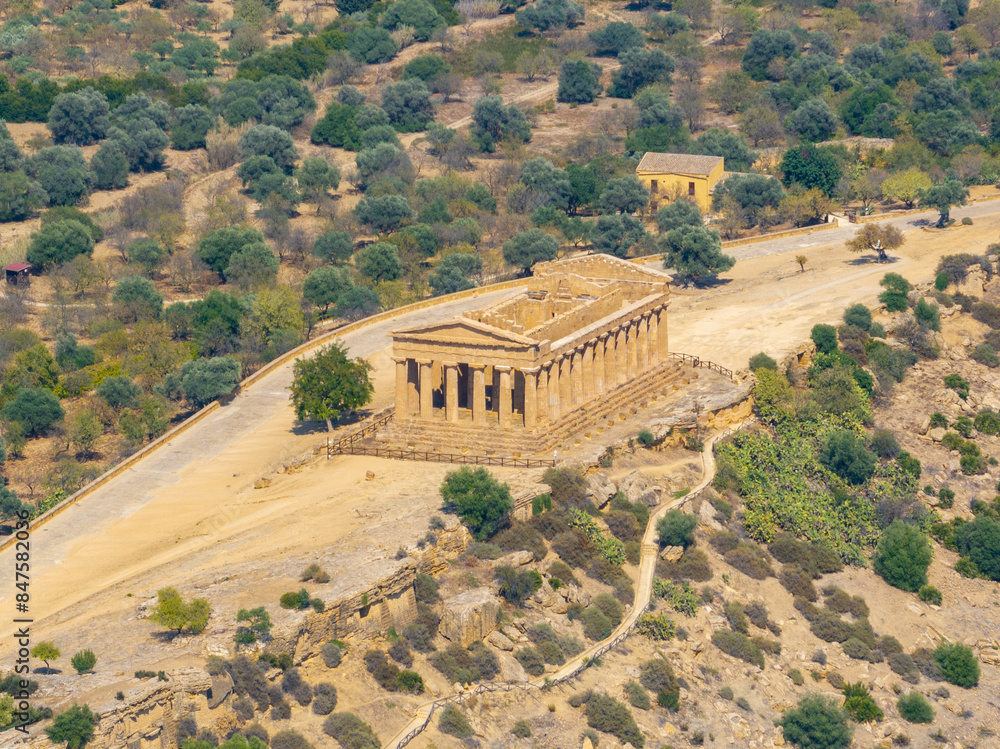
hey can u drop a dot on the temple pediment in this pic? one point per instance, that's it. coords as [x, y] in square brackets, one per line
[462, 331]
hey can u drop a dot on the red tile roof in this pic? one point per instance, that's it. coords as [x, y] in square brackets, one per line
[678, 163]
[17, 267]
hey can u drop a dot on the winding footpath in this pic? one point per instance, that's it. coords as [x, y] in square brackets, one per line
[643, 593]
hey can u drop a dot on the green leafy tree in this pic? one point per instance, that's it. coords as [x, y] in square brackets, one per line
[334, 247]
[959, 665]
[676, 528]
[84, 430]
[764, 47]
[419, 15]
[252, 266]
[478, 499]
[110, 167]
[256, 625]
[695, 252]
[216, 247]
[616, 234]
[454, 273]
[137, 298]
[73, 727]
[547, 15]
[84, 661]
[817, 723]
[813, 121]
[624, 195]
[337, 127]
[615, 38]
[528, 247]
[203, 380]
[426, 68]
[379, 262]
[859, 704]
[639, 68]
[676, 214]
[942, 197]
[329, 384]
[903, 556]
[493, 122]
[19, 196]
[896, 290]
[35, 409]
[46, 651]
[316, 177]
[372, 46]
[148, 254]
[269, 140]
[753, 193]
[190, 125]
[408, 103]
[142, 142]
[579, 82]
[732, 146]
[878, 238]
[980, 542]
[119, 391]
[811, 167]
[324, 286]
[173, 612]
[81, 117]
[848, 457]
[384, 213]
[825, 338]
[58, 243]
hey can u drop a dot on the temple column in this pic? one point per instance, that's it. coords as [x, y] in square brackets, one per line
[643, 350]
[477, 375]
[577, 376]
[654, 348]
[530, 397]
[599, 365]
[566, 383]
[543, 394]
[661, 333]
[588, 371]
[470, 396]
[610, 375]
[633, 350]
[450, 382]
[553, 389]
[412, 386]
[495, 397]
[518, 383]
[505, 392]
[402, 370]
[621, 356]
[426, 390]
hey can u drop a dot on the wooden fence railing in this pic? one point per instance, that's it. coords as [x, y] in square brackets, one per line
[432, 457]
[697, 361]
[378, 421]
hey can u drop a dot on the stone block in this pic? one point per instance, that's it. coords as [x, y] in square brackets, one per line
[499, 640]
[706, 516]
[469, 617]
[672, 553]
[602, 488]
[514, 559]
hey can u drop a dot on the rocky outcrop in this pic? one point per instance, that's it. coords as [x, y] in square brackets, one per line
[636, 488]
[602, 488]
[469, 617]
[514, 559]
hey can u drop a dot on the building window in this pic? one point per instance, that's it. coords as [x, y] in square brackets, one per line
[654, 185]
[691, 189]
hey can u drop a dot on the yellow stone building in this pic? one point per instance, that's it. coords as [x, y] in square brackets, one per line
[670, 176]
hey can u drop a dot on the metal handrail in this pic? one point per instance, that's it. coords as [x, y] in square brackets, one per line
[434, 457]
[697, 361]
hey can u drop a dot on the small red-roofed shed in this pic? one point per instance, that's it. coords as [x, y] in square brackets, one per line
[17, 274]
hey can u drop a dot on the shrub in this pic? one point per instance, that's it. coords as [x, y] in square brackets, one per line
[902, 556]
[979, 543]
[74, 727]
[762, 361]
[854, 648]
[738, 621]
[930, 594]
[676, 528]
[324, 698]
[521, 729]
[332, 654]
[174, 613]
[798, 583]
[905, 666]
[726, 693]
[351, 731]
[84, 661]
[796, 676]
[454, 723]
[637, 695]
[750, 559]
[860, 705]
[859, 316]
[959, 665]
[657, 676]
[739, 646]
[478, 499]
[515, 586]
[817, 723]
[609, 715]
[293, 600]
[914, 708]
[848, 457]
[984, 353]
[596, 625]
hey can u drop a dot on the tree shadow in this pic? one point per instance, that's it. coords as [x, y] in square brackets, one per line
[307, 427]
[47, 670]
[868, 259]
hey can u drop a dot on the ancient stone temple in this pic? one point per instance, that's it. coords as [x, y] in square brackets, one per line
[587, 332]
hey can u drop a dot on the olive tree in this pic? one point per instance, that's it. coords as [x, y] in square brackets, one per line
[268, 140]
[528, 247]
[81, 117]
[328, 385]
